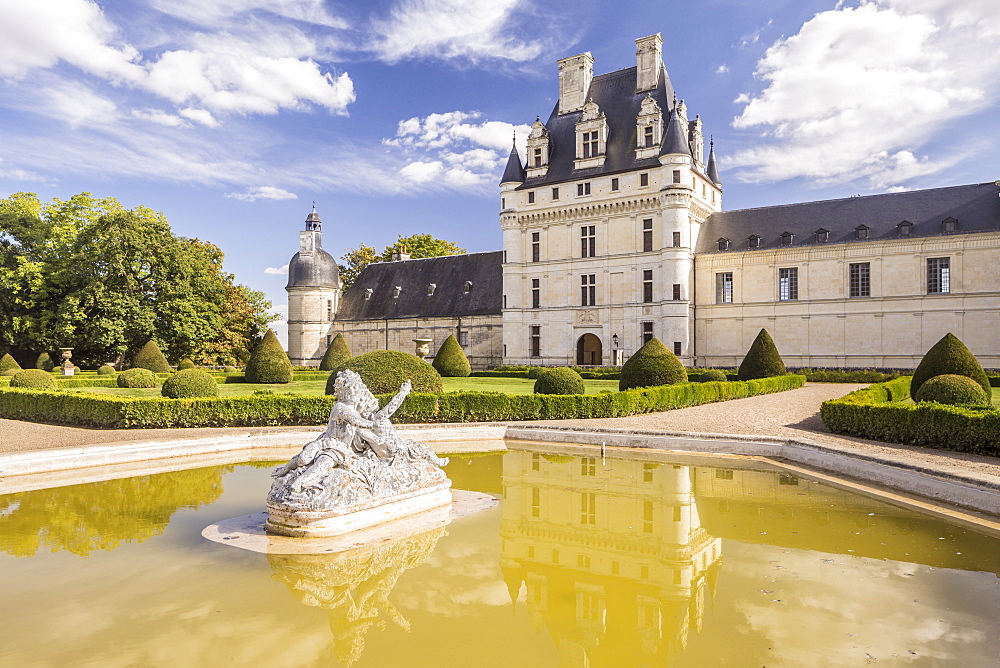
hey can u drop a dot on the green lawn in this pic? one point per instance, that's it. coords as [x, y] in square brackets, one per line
[996, 396]
[317, 387]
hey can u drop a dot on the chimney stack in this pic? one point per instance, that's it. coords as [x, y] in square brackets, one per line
[648, 61]
[575, 75]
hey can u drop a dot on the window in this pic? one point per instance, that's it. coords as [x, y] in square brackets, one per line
[949, 224]
[590, 144]
[677, 239]
[677, 292]
[536, 293]
[368, 294]
[536, 462]
[723, 474]
[536, 502]
[647, 332]
[788, 284]
[431, 287]
[647, 285]
[724, 288]
[647, 516]
[555, 193]
[647, 136]
[538, 157]
[531, 197]
[938, 275]
[677, 348]
[860, 280]
[588, 290]
[861, 232]
[754, 241]
[677, 176]
[467, 287]
[329, 309]
[463, 339]
[328, 339]
[588, 241]
[396, 290]
[588, 508]
[588, 466]
[614, 184]
[503, 203]
[643, 180]
[535, 341]
[723, 244]
[647, 235]
[787, 238]
[904, 228]
[582, 189]
[536, 246]
[787, 479]
[822, 236]
[678, 510]
[647, 471]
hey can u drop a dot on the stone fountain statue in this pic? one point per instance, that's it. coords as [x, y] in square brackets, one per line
[358, 473]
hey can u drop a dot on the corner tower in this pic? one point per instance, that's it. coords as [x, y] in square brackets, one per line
[313, 296]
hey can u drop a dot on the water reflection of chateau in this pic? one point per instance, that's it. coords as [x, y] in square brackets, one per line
[614, 556]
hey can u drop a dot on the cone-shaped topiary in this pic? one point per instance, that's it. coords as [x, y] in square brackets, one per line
[948, 356]
[561, 380]
[385, 370]
[713, 375]
[450, 360]
[33, 379]
[150, 357]
[137, 377]
[10, 372]
[44, 362]
[188, 383]
[336, 354]
[268, 362]
[953, 389]
[186, 363]
[762, 360]
[7, 363]
[650, 366]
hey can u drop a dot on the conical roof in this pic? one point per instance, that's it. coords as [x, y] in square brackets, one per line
[712, 170]
[514, 172]
[674, 139]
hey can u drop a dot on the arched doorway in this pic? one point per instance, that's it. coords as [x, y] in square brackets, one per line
[589, 351]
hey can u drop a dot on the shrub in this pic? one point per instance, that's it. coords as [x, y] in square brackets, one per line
[948, 356]
[562, 380]
[33, 379]
[229, 369]
[450, 360]
[650, 366]
[336, 354]
[188, 383]
[713, 375]
[44, 362]
[268, 362]
[186, 363]
[7, 363]
[385, 370]
[137, 377]
[12, 372]
[954, 390]
[535, 371]
[762, 360]
[150, 357]
[106, 370]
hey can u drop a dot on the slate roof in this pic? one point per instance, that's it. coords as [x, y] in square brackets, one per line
[615, 94]
[674, 138]
[976, 207]
[449, 273]
[314, 270]
[514, 172]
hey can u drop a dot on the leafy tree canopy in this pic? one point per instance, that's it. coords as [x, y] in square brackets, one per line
[417, 245]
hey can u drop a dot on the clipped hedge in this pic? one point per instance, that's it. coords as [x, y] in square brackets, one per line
[188, 383]
[111, 411]
[949, 356]
[385, 370]
[877, 413]
[36, 379]
[953, 390]
[137, 377]
[562, 380]
[105, 370]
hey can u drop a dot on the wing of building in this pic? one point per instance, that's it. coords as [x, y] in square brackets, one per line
[614, 232]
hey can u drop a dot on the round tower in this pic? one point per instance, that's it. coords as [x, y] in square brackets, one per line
[313, 296]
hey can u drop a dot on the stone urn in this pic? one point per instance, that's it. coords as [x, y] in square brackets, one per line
[423, 347]
[67, 364]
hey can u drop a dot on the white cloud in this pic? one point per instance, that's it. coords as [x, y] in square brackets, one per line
[200, 116]
[221, 12]
[262, 192]
[859, 90]
[472, 30]
[279, 271]
[422, 172]
[16, 174]
[722, 69]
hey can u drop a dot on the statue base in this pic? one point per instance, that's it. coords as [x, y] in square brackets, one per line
[325, 523]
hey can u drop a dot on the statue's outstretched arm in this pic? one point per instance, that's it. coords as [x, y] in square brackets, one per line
[350, 415]
[397, 400]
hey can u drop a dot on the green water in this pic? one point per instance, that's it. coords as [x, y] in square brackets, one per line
[621, 562]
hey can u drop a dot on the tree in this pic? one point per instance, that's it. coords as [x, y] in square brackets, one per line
[417, 245]
[762, 360]
[336, 354]
[268, 362]
[450, 360]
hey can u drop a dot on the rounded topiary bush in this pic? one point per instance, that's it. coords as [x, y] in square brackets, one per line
[336, 354]
[7, 363]
[11, 372]
[762, 360]
[713, 375]
[44, 362]
[150, 357]
[450, 360]
[186, 363]
[137, 377]
[268, 362]
[650, 366]
[953, 389]
[536, 371]
[385, 370]
[188, 383]
[948, 356]
[105, 370]
[561, 380]
[33, 379]
[229, 369]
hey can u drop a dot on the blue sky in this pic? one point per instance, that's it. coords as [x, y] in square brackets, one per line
[395, 116]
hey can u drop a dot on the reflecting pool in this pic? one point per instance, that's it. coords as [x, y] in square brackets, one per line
[638, 561]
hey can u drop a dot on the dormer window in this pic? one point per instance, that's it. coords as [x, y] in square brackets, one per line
[723, 244]
[431, 287]
[949, 224]
[787, 238]
[904, 228]
[861, 232]
[467, 288]
[648, 129]
[754, 241]
[396, 290]
[822, 236]
[591, 137]
[368, 294]
[538, 150]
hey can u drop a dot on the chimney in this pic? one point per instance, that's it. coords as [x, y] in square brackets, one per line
[648, 61]
[575, 74]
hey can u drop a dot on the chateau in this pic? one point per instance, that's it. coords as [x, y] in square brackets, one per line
[614, 232]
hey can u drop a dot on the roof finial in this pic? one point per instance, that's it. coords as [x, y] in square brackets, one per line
[314, 206]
